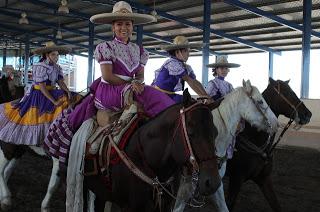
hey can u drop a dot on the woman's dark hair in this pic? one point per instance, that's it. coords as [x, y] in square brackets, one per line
[43, 57]
[214, 71]
[173, 52]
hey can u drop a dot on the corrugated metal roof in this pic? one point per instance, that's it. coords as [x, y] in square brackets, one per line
[44, 22]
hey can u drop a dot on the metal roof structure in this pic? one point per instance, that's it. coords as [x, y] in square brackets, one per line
[235, 26]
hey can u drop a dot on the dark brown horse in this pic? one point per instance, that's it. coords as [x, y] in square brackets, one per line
[160, 150]
[253, 159]
[5, 94]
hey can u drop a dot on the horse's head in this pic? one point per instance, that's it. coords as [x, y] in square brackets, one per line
[5, 95]
[196, 139]
[255, 110]
[284, 101]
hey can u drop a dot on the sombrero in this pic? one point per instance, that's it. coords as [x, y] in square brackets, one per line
[222, 61]
[180, 42]
[122, 11]
[50, 47]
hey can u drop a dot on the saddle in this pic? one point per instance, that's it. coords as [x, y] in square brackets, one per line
[99, 153]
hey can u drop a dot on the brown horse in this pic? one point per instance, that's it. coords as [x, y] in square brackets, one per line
[5, 94]
[253, 159]
[160, 150]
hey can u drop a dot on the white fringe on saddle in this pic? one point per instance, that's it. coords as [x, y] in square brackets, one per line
[74, 194]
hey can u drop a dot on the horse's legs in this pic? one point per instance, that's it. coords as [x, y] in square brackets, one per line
[53, 183]
[9, 169]
[5, 195]
[218, 197]
[235, 183]
[266, 186]
[184, 194]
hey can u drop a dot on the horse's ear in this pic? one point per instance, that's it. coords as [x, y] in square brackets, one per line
[271, 80]
[287, 81]
[247, 85]
[187, 99]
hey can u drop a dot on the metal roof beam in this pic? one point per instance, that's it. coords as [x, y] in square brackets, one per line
[50, 24]
[43, 36]
[167, 40]
[157, 52]
[55, 7]
[198, 26]
[269, 15]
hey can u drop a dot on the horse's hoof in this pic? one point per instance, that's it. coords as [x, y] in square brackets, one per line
[6, 204]
[45, 209]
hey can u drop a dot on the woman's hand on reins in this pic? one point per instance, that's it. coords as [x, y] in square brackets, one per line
[137, 87]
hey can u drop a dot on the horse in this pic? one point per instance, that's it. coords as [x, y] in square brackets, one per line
[9, 156]
[5, 95]
[9, 153]
[243, 103]
[253, 159]
[10, 90]
[160, 149]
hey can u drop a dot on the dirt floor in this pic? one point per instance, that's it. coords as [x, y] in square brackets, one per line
[296, 177]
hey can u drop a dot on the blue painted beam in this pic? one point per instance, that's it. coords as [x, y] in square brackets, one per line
[4, 56]
[269, 15]
[43, 36]
[26, 58]
[206, 41]
[139, 35]
[306, 40]
[271, 56]
[90, 54]
[197, 26]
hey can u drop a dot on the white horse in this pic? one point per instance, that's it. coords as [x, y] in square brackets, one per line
[243, 103]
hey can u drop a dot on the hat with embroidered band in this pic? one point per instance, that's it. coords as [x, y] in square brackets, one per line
[222, 61]
[180, 42]
[122, 11]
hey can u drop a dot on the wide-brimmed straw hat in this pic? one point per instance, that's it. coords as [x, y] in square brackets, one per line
[222, 61]
[180, 42]
[50, 47]
[7, 68]
[122, 11]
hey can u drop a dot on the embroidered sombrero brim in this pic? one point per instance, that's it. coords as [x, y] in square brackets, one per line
[228, 65]
[42, 50]
[181, 46]
[108, 18]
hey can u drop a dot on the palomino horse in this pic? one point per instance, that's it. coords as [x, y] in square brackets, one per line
[253, 159]
[243, 103]
[160, 148]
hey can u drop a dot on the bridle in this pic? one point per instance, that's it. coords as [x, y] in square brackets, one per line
[263, 151]
[186, 140]
[295, 108]
[261, 110]
[158, 186]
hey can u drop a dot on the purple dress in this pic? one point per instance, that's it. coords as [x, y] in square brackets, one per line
[168, 79]
[127, 60]
[27, 121]
[218, 88]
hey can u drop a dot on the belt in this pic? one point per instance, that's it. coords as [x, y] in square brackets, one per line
[48, 87]
[164, 91]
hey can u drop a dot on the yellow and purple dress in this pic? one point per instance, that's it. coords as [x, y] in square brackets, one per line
[27, 121]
